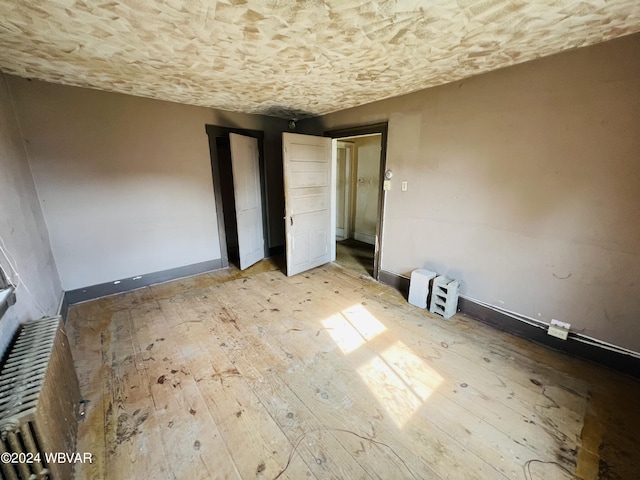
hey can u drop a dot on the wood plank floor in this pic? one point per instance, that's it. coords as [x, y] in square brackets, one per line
[329, 375]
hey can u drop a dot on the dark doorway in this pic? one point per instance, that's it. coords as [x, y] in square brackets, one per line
[219, 149]
[355, 255]
[225, 170]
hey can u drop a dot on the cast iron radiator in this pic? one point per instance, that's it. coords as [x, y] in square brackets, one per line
[39, 399]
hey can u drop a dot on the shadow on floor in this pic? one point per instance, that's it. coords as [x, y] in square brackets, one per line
[355, 255]
[351, 254]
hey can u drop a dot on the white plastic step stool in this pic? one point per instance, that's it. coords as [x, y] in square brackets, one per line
[419, 287]
[444, 296]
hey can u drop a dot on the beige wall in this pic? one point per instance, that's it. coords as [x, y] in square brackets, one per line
[524, 183]
[125, 182]
[22, 230]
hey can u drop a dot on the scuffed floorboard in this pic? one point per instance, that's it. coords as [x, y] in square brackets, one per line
[331, 375]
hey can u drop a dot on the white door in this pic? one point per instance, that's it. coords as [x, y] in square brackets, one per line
[309, 203]
[343, 189]
[248, 196]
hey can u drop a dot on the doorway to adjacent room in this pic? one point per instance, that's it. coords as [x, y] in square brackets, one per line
[360, 167]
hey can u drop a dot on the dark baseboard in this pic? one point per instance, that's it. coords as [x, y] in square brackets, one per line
[128, 284]
[615, 360]
[394, 280]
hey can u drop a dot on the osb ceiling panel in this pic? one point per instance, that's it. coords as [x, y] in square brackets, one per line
[291, 58]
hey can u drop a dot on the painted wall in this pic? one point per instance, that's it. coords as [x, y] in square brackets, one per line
[125, 182]
[23, 234]
[524, 183]
[367, 182]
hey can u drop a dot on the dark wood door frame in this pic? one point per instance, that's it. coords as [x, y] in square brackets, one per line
[380, 128]
[216, 131]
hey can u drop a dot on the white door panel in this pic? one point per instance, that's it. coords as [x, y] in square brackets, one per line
[248, 197]
[308, 187]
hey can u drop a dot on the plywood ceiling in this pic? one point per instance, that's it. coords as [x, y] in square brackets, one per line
[291, 58]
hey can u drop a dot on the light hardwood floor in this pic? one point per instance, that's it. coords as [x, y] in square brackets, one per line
[330, 375]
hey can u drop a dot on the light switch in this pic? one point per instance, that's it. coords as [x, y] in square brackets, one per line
[386, 185]
[404, 186]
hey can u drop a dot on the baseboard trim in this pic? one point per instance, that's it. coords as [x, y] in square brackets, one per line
[399, 282]
[576, 345]
[128, 284]
[365, 238]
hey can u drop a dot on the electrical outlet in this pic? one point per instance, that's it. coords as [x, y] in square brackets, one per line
[559, 329]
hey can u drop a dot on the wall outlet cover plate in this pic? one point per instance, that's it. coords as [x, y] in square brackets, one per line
[559, 329]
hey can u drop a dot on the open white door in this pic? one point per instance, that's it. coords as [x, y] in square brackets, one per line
[309, 201]
[248, 197]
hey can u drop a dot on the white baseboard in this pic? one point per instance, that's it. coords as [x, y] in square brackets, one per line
[363, 237]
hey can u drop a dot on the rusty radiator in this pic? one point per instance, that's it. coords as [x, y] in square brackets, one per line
[39, 398]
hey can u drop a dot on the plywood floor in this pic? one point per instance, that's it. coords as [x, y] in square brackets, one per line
[330, 375]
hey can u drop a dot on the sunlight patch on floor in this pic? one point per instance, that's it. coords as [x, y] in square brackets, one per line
[352, 327]
[400, 381]
[397, 377]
